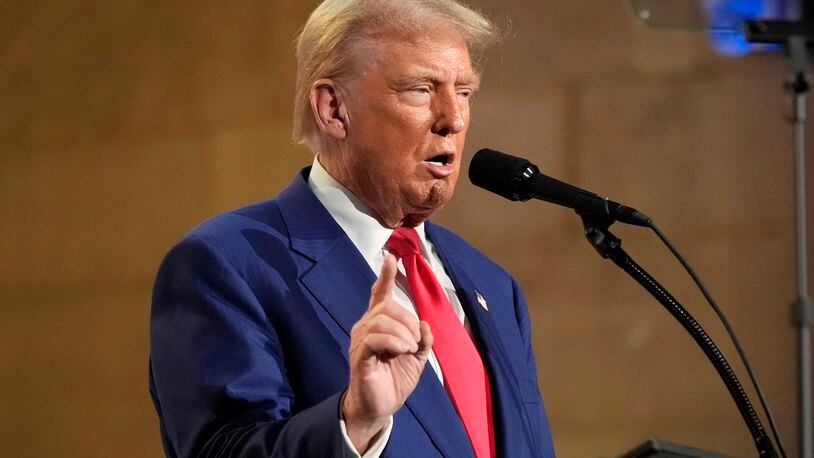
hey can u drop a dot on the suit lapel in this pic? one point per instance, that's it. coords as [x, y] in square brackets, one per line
[315, 235]
[431, 406]
[507, 403]
[345, 301]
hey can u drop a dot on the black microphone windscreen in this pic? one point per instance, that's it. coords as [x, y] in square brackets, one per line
[499, 173]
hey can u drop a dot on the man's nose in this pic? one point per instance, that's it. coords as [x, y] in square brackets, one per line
[449, 118]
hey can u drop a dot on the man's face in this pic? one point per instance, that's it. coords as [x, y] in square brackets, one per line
[407, 118]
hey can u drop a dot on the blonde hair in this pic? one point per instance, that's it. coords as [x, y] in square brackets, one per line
[335, 26]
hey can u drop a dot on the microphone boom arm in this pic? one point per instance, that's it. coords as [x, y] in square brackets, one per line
[610, 247]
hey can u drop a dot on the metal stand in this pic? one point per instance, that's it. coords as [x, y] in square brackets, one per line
[803, 308]
[610, 247]
[797, 35]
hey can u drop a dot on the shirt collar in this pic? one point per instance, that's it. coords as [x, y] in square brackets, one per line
[353, 215]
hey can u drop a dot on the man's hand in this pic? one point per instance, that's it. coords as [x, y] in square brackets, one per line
[388, 351]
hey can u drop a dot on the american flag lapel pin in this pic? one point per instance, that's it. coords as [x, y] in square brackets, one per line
[481, 300]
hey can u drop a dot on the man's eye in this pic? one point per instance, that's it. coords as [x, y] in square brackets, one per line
[421, 90]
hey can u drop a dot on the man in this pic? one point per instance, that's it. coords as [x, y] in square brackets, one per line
[271, 333]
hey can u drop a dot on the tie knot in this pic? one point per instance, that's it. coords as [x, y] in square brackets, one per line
[403, 242]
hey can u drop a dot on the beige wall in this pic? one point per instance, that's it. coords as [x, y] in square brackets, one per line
[122, 124]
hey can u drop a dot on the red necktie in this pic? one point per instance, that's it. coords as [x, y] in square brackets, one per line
[465, 377]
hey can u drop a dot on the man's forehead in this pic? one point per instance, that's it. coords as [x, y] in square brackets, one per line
[433, 56]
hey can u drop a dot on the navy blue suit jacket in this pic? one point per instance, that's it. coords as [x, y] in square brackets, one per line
[252, 312]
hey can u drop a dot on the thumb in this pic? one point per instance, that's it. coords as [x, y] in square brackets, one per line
[383, 287]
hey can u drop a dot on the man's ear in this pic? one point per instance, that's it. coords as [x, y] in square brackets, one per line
[328, 106]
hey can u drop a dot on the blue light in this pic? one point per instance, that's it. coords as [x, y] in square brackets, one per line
[727, 16]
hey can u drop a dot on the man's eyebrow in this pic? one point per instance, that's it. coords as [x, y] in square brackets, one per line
[409, 80]
[472, 80]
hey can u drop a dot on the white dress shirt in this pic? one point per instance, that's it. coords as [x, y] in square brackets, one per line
[369, 237]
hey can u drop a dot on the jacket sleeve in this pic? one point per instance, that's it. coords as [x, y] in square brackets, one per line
[216, 368]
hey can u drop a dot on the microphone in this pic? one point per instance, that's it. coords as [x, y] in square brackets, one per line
[516, 178]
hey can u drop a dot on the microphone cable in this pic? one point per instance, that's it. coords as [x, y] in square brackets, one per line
[732, 336]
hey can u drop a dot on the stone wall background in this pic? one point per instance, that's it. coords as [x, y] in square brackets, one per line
[123, 124]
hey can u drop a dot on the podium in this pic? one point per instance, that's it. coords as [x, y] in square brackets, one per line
[657, 448]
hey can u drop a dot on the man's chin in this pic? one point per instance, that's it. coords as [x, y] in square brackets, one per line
[423, 205]
[439, 194]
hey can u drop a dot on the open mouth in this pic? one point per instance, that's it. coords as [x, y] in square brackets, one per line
[440, 160]
[441, 165]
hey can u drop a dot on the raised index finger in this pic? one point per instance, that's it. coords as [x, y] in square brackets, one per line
[383, 288]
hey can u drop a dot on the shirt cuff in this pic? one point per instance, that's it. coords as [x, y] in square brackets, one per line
[377, 444]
